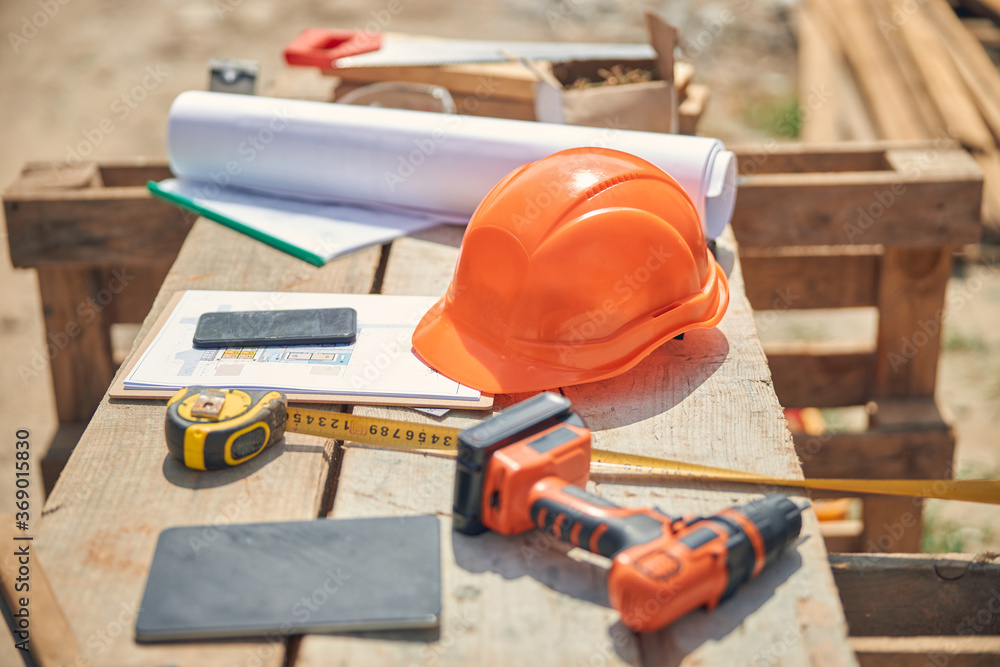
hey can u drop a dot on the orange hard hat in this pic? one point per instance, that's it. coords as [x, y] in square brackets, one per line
[572, 269]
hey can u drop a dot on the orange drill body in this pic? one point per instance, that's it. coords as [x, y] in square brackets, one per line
[526, 468]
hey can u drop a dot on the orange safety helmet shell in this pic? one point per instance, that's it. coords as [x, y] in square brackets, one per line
[572, 269]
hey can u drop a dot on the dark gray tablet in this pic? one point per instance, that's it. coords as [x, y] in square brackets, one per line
[251, 580]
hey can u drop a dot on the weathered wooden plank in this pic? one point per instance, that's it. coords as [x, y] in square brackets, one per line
[47, 632]
[822, 277]
[911, 310]
[842, 536]
[821, 157]
[120, 488]
[139, 286]
[878, 453]
[58, 453]
[832, 105]
[886, 15]
[819, 63]
[974, 64]
[692, 399]
[709, 400]
[78, 338]
[921, 651]
[985, 31]
[691, 108]
[855, 25]
[108, 218]
[810, 374]
[915, 208]
[134, 173]
[941, 79]
[9, 654]
[921, 594]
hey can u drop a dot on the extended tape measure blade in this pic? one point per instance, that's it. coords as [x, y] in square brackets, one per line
[372, 430]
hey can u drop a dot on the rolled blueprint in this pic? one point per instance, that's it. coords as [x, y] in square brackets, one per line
[416, 160]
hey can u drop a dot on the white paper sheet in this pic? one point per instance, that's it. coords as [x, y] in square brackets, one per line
[379, 363]
[433, 162]
[321, 229]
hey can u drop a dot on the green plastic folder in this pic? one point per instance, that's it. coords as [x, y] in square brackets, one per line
[190, 205]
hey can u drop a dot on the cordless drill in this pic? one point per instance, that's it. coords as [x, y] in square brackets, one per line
[526, 467]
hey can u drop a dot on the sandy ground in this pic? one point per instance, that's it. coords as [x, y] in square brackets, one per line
[71, 70]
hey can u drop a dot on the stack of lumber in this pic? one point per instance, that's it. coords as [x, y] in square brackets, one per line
[898, 69]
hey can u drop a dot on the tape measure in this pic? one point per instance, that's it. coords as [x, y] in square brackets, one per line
[209, 429]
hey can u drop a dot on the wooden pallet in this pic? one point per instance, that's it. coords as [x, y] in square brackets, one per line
[102, 247]
[862, 225]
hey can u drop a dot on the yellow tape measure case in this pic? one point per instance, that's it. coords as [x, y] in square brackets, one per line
[209, 429]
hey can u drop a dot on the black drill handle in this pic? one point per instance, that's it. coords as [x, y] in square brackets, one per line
[570, 514]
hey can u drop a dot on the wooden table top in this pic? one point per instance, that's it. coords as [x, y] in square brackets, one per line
[517, 600]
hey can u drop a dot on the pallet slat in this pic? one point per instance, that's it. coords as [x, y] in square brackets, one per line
[896, 595]
[877, 454]
[819, 375]
[824, 277]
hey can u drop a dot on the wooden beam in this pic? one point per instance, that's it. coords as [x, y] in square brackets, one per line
[911, 304]
[820, 157]
[819, 66]
[988, 8]
[914, 595]
[916, 208]
[805, 277]
[828, 91]
[920, 651]
[820, 375]
[133, 173]
[91, 222]
[982, 81]
[691, 108]
[132, 304]
[888, 21]
[78, 338]
[855, 25]
[984, 30]
[877, 454]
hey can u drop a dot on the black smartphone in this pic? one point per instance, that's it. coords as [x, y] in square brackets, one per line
[313, 326]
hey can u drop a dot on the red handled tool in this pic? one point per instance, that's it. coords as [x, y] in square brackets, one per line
[525, 468]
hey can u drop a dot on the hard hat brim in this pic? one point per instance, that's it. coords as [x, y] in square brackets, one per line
[441, 344]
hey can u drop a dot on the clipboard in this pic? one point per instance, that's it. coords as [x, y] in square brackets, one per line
[118, 390]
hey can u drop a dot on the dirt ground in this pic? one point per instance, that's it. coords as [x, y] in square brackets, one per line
[71, 70]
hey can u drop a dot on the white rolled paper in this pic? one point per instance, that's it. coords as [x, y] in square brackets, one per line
[411, 159]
